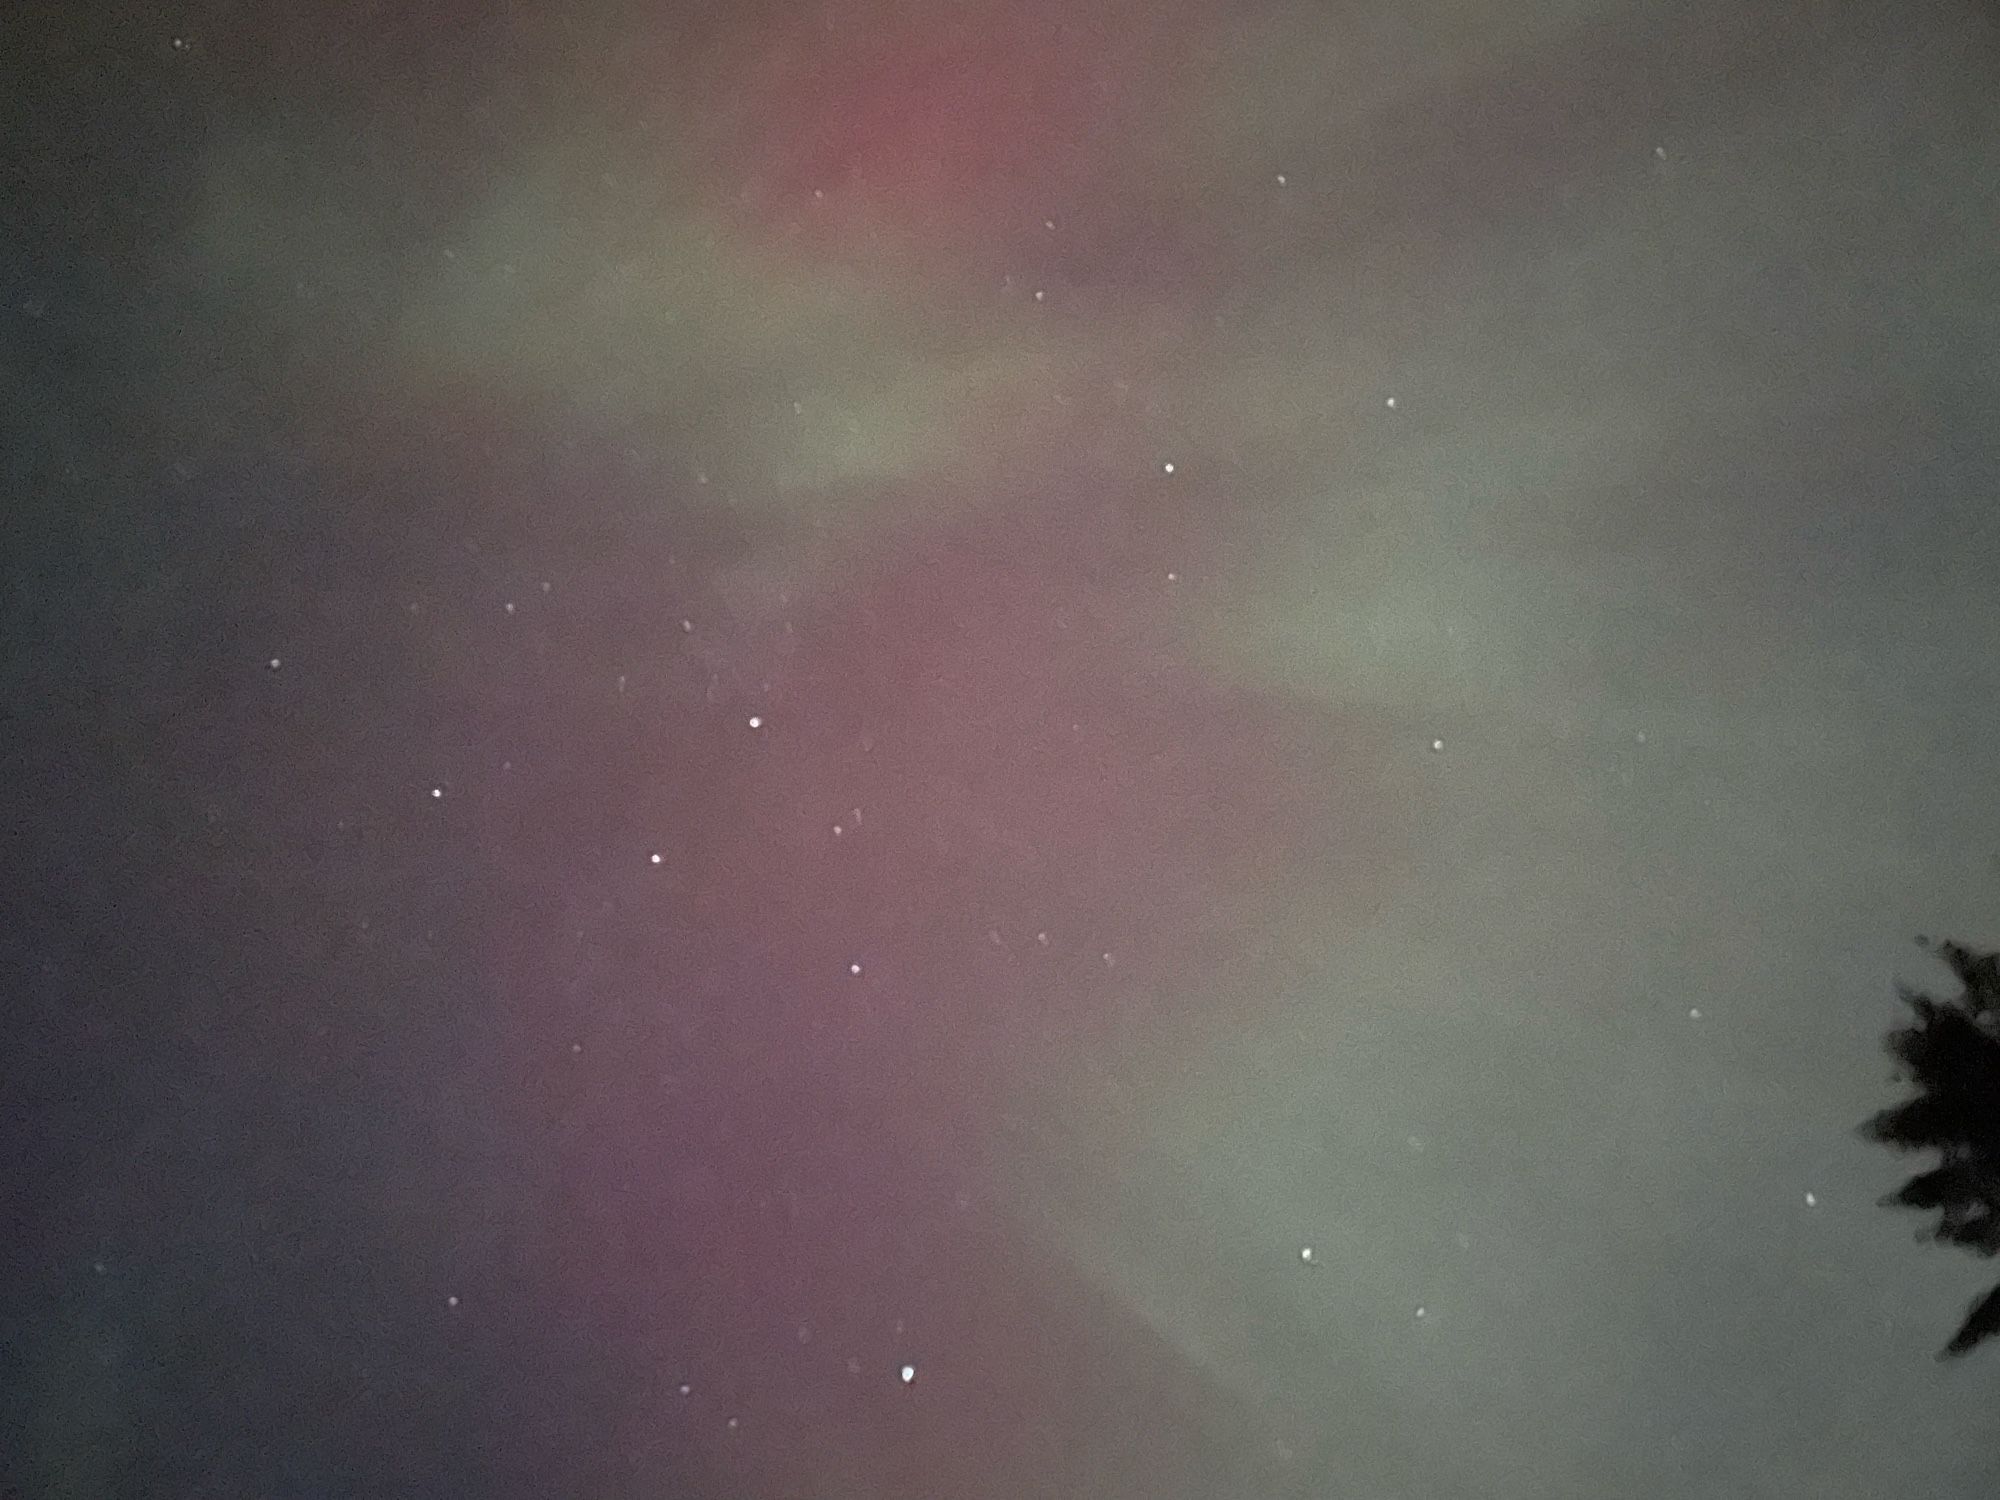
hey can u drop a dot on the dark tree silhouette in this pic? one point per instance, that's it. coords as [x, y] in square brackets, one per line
[1952, 1054]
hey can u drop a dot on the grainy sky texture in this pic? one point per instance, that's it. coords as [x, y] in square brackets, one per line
[1000, 749]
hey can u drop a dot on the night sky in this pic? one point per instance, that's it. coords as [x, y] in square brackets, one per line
[989, 749]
